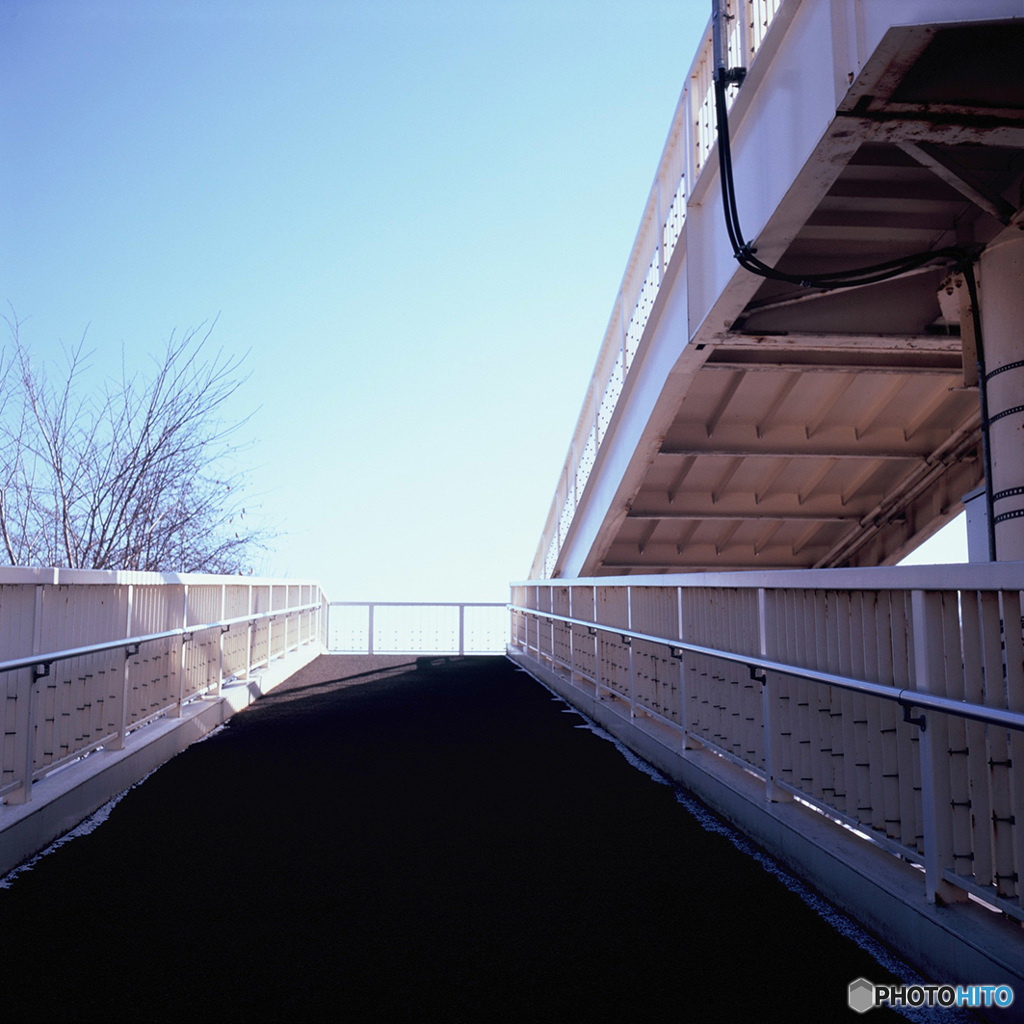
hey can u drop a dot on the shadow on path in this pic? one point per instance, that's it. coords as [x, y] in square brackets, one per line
[435, 843]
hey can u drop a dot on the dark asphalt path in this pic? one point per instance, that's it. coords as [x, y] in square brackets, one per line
[441, 844]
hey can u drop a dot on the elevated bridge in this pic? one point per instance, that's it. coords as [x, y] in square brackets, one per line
[738, 422]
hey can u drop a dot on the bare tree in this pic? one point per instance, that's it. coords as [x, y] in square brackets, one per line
[139, 475]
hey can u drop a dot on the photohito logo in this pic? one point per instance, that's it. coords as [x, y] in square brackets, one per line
[863, 995]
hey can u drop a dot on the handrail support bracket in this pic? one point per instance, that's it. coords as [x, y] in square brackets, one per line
[920, 721]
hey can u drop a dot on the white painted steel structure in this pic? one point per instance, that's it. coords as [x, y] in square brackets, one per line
[737, 423]
[743, 422]
[86, 657]
[662, 230]
[837, 653]
[416, 627]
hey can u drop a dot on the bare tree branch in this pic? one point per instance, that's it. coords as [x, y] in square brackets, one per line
[137, 475]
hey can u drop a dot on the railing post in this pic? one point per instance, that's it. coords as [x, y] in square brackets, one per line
[121, 707]
[660, 235]
[176, 711]
[548, 650]
[25, 726]
[572, 629]
[622, 332]
[568, 493]
[369, 632]
[220, 640]
[462, 630]
[536, 620]
[688, 141]
[933, 746]
[270, 626]
[573, 465]
[746, 49]
[689, 743]
[632, 676]
[766, 628]
[248, 636]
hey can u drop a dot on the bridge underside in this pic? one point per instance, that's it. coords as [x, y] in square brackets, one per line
[843, 428]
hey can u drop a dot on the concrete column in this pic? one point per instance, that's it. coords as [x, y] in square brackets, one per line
[1002, 327]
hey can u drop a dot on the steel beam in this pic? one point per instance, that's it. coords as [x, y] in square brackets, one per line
[779, 453]
[943, 166]
[794, 340]
[755, 514]
[849, 368]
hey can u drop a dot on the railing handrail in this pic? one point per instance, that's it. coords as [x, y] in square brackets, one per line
[61, 576]
[905, 698]
[951, 576]
[50, 657]
[421, 604]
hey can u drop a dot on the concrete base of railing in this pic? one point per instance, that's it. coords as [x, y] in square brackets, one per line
[961, 943]
[64, 799]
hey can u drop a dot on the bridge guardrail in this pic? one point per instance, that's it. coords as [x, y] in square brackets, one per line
[88, 656]
[417, 627]
[801, 678]
[690, 142]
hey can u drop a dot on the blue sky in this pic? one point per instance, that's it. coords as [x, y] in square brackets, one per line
[412, 217]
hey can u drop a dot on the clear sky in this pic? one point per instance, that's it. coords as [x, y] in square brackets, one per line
[412, 216]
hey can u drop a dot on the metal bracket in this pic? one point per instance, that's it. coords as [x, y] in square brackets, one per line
[731, 76]
[626, 641]
[130, 650]
[186, 637]
[758, 674]
[921, 722]
[41, 670]
[720, 17]
[225, 629]
[592, 630]
[676, 653]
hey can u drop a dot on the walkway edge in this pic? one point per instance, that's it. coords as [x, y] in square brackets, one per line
[67, 797]
[956, 944]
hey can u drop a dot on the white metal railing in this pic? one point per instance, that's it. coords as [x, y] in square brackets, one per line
[690, 142]
[411, 627]
[808, 679]
[88, 656]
